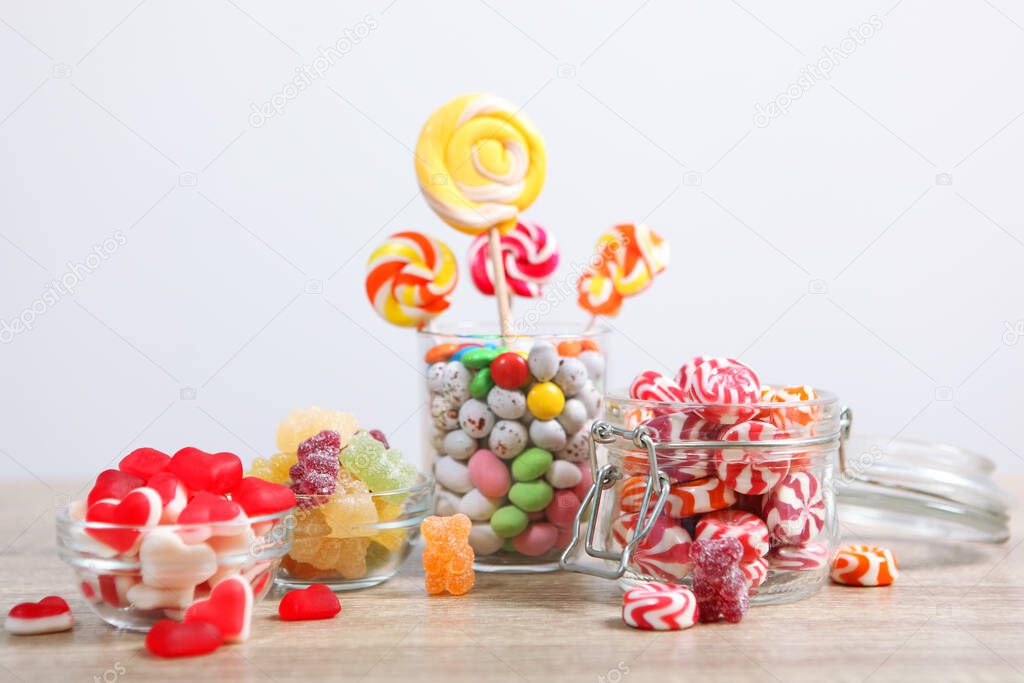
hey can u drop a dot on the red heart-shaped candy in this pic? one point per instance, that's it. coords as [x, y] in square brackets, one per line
[168, 638]
[49, 615]
[113, 484]
[173, 494]
[315, 602]
[208, 508]
[140, 508]
[258, 497]
[202, 471]
[229, 608]
[144, 462]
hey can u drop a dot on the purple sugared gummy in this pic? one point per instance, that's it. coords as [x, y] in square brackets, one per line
[317, 484]
[721, 590]
[296, 473]
[323, 462]
[327, 440]
[379, 435]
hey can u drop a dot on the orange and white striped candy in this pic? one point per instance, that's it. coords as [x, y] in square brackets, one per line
[684, 498]
[410, 278]
[864, 565]
[792, 417]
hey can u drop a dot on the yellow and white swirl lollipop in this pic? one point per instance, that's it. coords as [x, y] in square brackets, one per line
[480, 162]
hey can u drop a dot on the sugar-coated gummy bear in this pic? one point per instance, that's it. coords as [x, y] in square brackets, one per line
[718, 582]
[448, 557]
[302, 424]
[382, 469]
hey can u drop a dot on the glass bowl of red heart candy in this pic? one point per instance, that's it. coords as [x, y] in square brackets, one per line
[155, 535]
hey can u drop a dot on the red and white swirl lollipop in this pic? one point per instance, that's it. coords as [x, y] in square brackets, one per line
[530, 255]
[725, 383]
[659, 607]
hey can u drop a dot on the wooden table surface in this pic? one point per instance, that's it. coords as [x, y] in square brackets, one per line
[956, 613]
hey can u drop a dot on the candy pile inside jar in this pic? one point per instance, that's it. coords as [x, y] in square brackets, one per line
[338, 471]
[510, 428]
[774, 503]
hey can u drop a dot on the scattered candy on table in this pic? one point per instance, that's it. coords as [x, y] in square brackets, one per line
[659, 607]
[49, 615]
[169, 638]
[448, 557]
[305, 604]
[864, 565]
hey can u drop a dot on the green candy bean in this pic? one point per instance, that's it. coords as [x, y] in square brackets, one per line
[532, 496]
[475, 359]
[531, 464]
[481, 384]
[509, 521]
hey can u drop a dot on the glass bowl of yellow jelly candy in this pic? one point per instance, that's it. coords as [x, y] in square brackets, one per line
[359, 503]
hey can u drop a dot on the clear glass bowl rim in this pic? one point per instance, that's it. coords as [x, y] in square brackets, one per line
[487, 331]
[621, 397]
[64, 520]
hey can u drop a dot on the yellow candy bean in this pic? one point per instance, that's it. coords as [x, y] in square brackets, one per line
[545, 400]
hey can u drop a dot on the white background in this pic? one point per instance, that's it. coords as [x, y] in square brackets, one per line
[826, 247]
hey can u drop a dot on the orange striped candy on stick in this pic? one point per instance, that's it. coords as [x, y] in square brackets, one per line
[410, 277]
[864, 565]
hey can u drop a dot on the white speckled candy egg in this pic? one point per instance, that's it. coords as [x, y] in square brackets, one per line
[444, 416]
[571, 376]
[592, 399]
[456, 382]
[477, 506]
[459, 444]
[543, 361]
[547, 434]
[508, 404]
[563, 474]
[435, 377]
[475, 418]
[574, 416]
[508, 439]
[576, 448]
[452, 474]
[483, 540]
[446, 503]
[437, 438]
[594, 362]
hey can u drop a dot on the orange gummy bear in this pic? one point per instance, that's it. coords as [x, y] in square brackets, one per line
[448, 557]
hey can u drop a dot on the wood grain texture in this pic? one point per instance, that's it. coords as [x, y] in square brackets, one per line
[956, 613]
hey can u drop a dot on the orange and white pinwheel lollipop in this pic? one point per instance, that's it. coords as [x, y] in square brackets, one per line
[410, 277]
[627, 260]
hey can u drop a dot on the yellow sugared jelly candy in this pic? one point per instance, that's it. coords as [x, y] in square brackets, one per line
[349, 514]
[392, 539]
[302, 424]
[388, 507]
[275, 469]
[545, 400]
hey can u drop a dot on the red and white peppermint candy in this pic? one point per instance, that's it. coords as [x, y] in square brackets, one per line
[798, 558]
[529, 253]
[664, 553]
[685, 375]
[724, 383]
[684, 498]
[659, 607]
[746, 470]
[748, 529]
[755, 572]
[653, 386]
[864, 565]
[795, 509]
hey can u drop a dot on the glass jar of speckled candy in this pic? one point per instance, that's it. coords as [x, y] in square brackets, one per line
[507, 432]
[762, 473]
